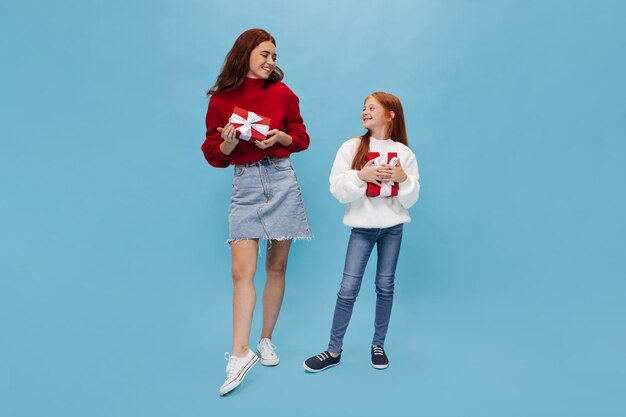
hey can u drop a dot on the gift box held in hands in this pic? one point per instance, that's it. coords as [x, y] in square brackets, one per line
[389, 188]
[249, 125]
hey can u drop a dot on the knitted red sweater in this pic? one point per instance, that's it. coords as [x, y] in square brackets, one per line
[273, 100]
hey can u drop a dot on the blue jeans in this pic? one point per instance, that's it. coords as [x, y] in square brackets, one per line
[360, 247]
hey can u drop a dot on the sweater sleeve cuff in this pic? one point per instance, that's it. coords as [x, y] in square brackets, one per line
[221, 156]
[294, 146]
[356, 181]
[214, 156]
[298, 143]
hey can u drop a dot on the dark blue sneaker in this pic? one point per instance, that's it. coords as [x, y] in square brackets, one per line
[320, 362]
[379, 357]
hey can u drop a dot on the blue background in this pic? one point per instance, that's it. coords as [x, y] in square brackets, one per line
[115, 285]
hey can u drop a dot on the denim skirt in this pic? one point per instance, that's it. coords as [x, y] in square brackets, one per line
[266, 202]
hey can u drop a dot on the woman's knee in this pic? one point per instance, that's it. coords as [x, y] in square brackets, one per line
[242, 272]
[276, 269]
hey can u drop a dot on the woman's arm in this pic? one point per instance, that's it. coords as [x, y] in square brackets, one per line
[213, 143]
[297, 138]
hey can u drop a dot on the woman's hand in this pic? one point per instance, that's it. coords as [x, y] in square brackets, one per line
[229, 134]
[274, 136]
[370, 173]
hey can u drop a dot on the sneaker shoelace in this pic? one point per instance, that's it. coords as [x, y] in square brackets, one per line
[322, 356]
[267, 348]
[230, 366]
[378, 351]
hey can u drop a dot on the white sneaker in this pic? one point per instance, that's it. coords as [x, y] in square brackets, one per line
[265, 350]
[236, 370]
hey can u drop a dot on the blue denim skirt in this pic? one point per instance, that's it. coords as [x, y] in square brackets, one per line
[266, 202]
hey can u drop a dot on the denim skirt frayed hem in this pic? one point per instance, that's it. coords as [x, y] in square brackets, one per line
[266, 202]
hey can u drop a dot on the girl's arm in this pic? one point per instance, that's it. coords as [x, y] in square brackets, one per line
[409, 190]
[345, 184]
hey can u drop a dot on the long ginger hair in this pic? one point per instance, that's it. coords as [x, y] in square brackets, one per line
[237, 62]
[395, 128]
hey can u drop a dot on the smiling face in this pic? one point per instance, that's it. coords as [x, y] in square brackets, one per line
[375, 118]
[262, 60]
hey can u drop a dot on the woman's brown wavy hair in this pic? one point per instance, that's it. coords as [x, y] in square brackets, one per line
[396, 129]
[237, 62]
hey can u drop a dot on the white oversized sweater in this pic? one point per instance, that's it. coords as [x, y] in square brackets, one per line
[373, 212]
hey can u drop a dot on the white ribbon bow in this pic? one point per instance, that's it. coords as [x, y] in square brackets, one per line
[245, 130]
[385, 186]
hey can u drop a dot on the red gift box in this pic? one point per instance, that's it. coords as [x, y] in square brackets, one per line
[389, 188]
[249, 125]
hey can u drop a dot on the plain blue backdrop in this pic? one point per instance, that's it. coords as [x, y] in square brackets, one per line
[115, 285]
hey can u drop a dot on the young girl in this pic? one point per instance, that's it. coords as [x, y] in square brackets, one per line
[266, 202]
[376, 220]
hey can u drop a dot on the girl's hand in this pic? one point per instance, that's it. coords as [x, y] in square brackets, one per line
[274, 136]
[370, 173]
[391, 173]
[229, 133]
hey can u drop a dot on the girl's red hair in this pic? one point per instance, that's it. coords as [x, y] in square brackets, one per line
[395, 130]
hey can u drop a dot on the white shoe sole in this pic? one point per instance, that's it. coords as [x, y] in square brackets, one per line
[380, 366]
[268, 362]
[306, 368]
[226, 388]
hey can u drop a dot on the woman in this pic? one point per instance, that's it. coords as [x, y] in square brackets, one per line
[266, 202]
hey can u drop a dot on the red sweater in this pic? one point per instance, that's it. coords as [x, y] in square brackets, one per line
[273, 100]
